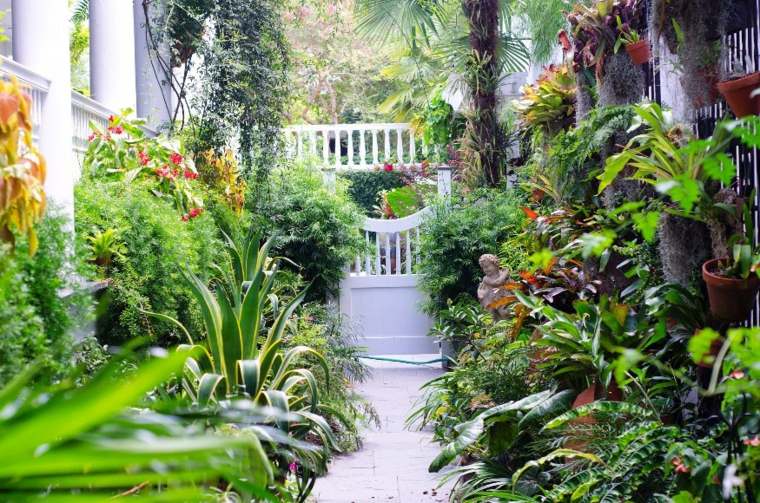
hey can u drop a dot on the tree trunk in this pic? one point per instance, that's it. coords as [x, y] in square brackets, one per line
[483, 148]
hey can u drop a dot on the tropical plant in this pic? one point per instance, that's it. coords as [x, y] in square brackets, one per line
[102, 450]
[221, 174]
[548, 104]
[123, 151]
[23, 169]
[105, 246]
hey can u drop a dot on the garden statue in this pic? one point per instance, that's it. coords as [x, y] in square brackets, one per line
[490, 290]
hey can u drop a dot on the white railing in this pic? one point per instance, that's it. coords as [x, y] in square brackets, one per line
[354, 146]
[35, 85]
[83, 111]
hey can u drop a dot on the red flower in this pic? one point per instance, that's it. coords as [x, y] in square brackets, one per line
[111, 119]
[116, 129]
[185, 217]
[144, 158]
[190, 175]
[752, 442]
[388, 167]
[194, 212]
[176, 158]
[163, 171]
[530, 278]
[92, 136]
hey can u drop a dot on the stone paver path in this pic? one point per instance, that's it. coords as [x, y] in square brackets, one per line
[392, 465]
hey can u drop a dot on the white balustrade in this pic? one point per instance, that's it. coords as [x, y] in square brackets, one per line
[84, 111]
[353, 146]
[34, 84]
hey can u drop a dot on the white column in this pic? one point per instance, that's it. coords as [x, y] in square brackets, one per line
[41, 42]
[153, 92]
[112, 53]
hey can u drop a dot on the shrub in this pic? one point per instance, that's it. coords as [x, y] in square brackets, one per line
[456, 234]
[156, 242]
[34, 315]
[315, 228]
[365, 186]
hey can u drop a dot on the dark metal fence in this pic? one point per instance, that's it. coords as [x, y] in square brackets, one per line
[741, 55]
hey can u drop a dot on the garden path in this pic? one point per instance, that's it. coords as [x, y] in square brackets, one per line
[392, 464]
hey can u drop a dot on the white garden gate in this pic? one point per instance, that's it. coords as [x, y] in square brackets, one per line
[379, 293]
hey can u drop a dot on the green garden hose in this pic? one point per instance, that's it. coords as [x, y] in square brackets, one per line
[397, 360]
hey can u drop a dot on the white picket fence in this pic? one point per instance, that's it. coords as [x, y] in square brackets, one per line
[354, 146]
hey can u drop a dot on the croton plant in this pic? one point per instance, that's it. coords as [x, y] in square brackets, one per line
[22, 167]
[595, 30]
[122, 151]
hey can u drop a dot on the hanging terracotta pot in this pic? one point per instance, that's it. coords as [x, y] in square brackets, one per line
[731, 299]
[738, 94]
[640, 52]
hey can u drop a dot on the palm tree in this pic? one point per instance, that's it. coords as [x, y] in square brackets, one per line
[471, 38]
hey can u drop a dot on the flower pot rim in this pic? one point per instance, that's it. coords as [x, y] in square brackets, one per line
[740, 82]
[640, 43]
[711, 277]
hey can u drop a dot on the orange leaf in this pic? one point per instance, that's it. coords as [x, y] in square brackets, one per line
[504, 301]
[530, 213]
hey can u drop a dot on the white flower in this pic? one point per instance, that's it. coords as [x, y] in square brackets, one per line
[730, 480]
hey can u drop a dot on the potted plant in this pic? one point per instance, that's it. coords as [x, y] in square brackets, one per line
[738, 92]
[733, 283]
[637, 48]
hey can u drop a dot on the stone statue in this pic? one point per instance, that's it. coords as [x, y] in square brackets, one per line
[490, 290]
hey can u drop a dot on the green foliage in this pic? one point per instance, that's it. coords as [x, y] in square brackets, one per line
[37, 296]
[403, 201]
[365, 187]
[313, 227]
[440, 127]
[58, 454]
[156, 243]
[457, 233]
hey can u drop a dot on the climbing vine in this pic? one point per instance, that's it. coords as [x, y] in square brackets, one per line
[227, 63]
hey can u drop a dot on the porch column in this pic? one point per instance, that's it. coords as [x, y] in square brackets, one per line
[154, 98]
[41, 42]
[112, 53]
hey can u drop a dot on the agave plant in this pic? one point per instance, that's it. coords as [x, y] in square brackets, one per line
[85, 444]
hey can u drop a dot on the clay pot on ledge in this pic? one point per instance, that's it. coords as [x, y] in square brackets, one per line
[731, 299]
[640, 52]
[738, 94]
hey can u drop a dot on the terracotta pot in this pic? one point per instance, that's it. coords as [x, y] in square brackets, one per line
[640, 52]
[738, 94]
[731, 299]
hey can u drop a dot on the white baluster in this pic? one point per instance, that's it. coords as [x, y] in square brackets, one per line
[350, 135]
[399, 146]
[300, 143]
[362, 148]
[313, 141]
[387, 145]
[417, 248]
[338, 149]
[378, 269]
[375, 159]
[358, 265]
[387, 253]
[409, 252]
[325, 147]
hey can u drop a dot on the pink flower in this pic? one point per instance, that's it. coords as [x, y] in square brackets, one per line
[194, 212]
[116, 129]
[163, 172]
[92, 136]
[752, 442]
[388, 167]
[680, 467]
[190, 175]
[185, 217]
[176, 158]
[737, 374]
[144, 158]
[293, 467]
